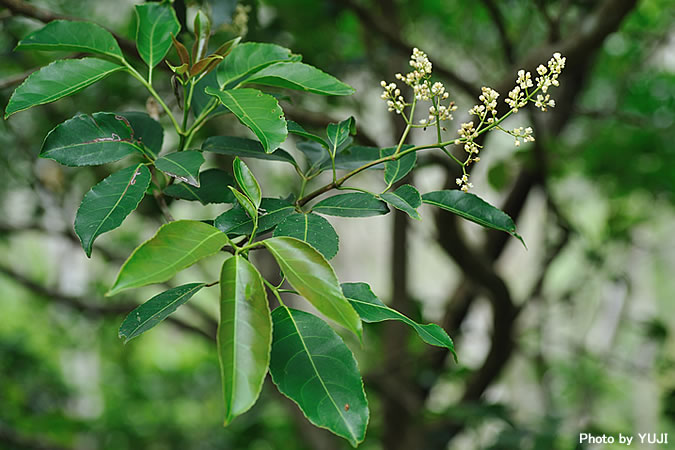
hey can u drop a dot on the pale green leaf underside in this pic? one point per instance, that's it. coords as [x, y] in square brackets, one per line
[65, 35]
[176, 245]
[182, 165]
[107, 204]
[57, 80]
[260, 112]
[313, 278]
[472, 208]
[371, 309]
[313, 229]
[156, 23]
[247, 182]
[300, 76]
[155, 310]
[312, 366]
[244, 335]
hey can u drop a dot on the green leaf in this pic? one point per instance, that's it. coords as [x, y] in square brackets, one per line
[371, 309]
[312, 366]
[202, 32]
[302, 77]
[57, 80]
[248, 58]
[246, 204]
[338, 133]
[310, 274]
[107, 204]
[213, 188]
[158, 308]
[244, 335]
[200, 99]
[146, 131]
[176, 245]
[246, 148]
[313, 229]
[91, 140]
[182, 165]
[354, 157]
[260, 112]
[395, 170]
[357, 204]
[406, 198]
[295, 128]
[156, 23]
[65, 35]
[247, 182]
[472, 208]
[235, 222]
[316, 156]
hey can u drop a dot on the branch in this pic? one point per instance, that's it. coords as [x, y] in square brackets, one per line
[89, 309]
[498, 20]
[20, 8]
[374, 24]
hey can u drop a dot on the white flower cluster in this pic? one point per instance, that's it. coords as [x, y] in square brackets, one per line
[392, 95]
[418, 80]
[522, 133]
[548, 76]
[463, 182]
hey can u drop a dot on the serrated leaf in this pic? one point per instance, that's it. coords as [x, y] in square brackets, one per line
[259, 112]
[247, 182]
[156, 23]
[155, 310]
[313, 229]
[357, 204]
[312, 366]
[295, 128]
[472, 208]
[244, 335]
[371, 309]
[65, 35]
[91, 140]
[338, 133]
[395, 170]
[312, 277]
[248, 58]
[107, 204]
[235, 222]
[406, 198]
[246, 148]
[300, 76]
[175, 246]
[213, 188]
[182, 165]
[57, 80]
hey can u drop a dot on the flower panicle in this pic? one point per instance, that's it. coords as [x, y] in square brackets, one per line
[526, 90]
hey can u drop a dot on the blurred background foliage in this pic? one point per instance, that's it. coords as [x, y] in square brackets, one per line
[574, 335]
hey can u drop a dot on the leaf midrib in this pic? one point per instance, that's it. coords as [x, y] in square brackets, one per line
[318, 375]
